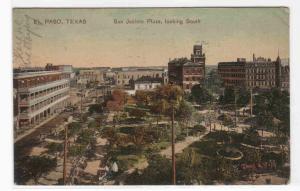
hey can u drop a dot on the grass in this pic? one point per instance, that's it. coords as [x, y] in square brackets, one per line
[206, 147]
[126, 162]
[156, 147]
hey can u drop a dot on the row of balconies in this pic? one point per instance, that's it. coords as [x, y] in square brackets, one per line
[43, 87]
[42, 97]
[41, 104]
[29, 113]
[46, 102]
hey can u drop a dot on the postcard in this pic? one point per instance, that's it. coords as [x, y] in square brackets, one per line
[151, 96]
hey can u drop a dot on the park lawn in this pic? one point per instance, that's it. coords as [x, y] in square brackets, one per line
[130, 107]
[158, 146]
[205, 147]
[130, 161]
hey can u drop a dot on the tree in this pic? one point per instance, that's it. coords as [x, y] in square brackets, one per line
[243, 97]
[265, 121]
[143, 98]
[185, 113]
[226, 120]
[100, 119]
[157, 173]
[200, 94]
[76, 150]
[34, 167]
[228, 96]
[138, 135]
[55, 147]
[86, 136]
[173, 95]
[137, 113]
[111, 134]
[273, 105]
[117, 100]
[93, 125]
[96, 108]
[73, 128]
[159, 107]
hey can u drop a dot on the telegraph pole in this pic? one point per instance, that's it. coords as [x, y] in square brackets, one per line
[235, 118]
[173, 149]
[81, 103]
[97, 94]
[65, 156]
[251, 102]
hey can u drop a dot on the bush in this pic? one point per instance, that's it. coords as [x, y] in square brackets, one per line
[92, 125]
[157, 173]
[55, 147]
[76, 150]
[137, 113]
[180, 137]
[96, 108]
[127, 130]
[131, 120]
[205, 147]
[85, 137]
[200, 128]
[73, 128]
[33, 167]
[127, 161]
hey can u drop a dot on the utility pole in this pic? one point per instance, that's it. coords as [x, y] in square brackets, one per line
[65, 156]
[97, 94]
[251, 102]
[210, 115]
[173, 149]
[235, 118]
[81, 103]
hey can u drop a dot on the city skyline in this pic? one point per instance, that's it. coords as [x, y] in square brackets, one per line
[226, 33]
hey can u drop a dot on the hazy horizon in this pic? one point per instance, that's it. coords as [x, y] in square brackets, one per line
[226, 33]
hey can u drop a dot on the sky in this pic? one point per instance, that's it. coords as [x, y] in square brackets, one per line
[226, 33]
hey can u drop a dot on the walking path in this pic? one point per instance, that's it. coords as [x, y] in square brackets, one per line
[19, 137]
[181, 145]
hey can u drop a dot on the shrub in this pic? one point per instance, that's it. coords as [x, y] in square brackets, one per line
[33, 167]
[180, 137]
[55, 147]
[96, 108]
[76, 150]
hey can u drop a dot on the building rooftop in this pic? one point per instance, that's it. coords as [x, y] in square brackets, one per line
[19, 75]
[148, 79]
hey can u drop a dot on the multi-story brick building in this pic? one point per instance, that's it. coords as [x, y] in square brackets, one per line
[285, 78]
[232, 73]
[260, 73]
[187, 73]
[39, 95]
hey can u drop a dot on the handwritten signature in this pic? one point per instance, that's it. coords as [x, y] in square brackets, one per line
[24, 36]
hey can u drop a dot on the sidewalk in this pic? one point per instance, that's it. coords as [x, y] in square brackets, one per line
[34, 128]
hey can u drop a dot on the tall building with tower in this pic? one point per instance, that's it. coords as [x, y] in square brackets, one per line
[187, 73]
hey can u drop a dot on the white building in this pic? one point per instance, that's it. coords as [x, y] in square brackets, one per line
[39, 95]
[124, 77]
[147, 83]
[90, 75]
